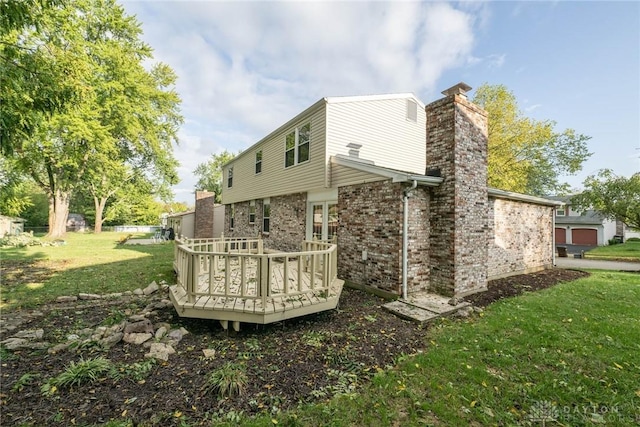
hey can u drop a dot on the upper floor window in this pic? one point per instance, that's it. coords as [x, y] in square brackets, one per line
[561, 211]
[259, 161]
[297, 146]
[230, 178]
[252, 212]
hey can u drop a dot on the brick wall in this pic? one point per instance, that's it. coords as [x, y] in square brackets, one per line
[203, 225]
[457, 145]
[370, 219]
[418, 241]
[287, 222]
[520, 237]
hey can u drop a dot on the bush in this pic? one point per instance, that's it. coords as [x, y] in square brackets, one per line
[229, 380]
[633, 239]
[22, 240]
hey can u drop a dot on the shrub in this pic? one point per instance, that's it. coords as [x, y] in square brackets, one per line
[85, 371]
[22, 240]
[229, 380]
[633, 239]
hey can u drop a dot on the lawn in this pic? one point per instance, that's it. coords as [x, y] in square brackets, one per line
[567, 355]
[86, 262]
[628, 251]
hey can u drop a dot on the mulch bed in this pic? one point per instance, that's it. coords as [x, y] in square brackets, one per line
[302, 360]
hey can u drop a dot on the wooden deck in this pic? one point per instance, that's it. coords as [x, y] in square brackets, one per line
[235, 281]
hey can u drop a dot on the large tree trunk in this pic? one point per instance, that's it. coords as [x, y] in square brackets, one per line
[58, 213]
[99, 204]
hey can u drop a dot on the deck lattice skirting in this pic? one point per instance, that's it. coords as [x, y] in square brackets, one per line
[237, 280]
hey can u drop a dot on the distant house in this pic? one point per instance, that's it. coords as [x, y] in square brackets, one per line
[11, 225]
[205, 221]
[586, 227]
[76, 222]
[399, 185]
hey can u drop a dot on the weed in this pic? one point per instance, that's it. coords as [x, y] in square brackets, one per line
[313, 338]
[229, 380]
[252, 344]
[136, 371]
[6, 355]
[115, 317]
[85, 371]
[24, 380]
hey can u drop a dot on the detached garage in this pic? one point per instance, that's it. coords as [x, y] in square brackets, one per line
[584, 236]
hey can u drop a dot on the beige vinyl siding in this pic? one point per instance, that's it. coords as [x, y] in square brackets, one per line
[381, 126]
[275, 179]
[342, 175]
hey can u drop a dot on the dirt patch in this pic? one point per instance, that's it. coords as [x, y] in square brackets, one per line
[301, 360]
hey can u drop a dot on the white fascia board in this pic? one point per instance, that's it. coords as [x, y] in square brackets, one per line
[394, 175]
[502, 194]
[381, 97]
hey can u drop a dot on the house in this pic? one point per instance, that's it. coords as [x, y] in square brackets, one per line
[400, 185]
[11, 225]
[586, 228]
[205, 221]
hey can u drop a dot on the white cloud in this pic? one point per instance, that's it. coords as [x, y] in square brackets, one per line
[244, 68]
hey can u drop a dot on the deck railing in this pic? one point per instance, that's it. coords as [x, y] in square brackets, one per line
[239, 268]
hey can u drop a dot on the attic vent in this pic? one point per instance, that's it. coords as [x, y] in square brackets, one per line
[412, 110]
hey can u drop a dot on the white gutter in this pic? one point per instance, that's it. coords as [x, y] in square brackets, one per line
[405, 237]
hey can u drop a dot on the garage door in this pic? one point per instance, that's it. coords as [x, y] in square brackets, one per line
[584, 236]
[561, 235]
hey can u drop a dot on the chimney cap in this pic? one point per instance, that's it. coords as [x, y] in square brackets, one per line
[459, 89]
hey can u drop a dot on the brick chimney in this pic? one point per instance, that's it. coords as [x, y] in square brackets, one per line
[457, 145]
[205, 202]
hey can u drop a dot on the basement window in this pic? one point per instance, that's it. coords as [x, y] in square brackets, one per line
[266, 214]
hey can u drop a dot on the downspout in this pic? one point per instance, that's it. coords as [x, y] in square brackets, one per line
[405, 237]
[553, 236]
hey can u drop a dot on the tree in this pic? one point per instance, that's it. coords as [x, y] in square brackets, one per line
[209, 173]
[34, 81]
[526, 155]
[614, 197]
[126, 119]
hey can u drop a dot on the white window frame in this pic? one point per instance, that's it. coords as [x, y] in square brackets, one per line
[265, 203]
[230, 177]
[298, 142]
[232, 216]
[252, 212]
[258, 164]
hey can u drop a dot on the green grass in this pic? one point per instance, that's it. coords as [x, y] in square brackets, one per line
[89, 263]
[569, 355]
[628, 251]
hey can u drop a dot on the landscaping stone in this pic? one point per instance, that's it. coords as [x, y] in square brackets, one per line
[14, 343]
[160, 351]
[153, 287]
[176, 335]
[31, 334]
[137, 338]
[68, 298]
[83, 296]
[143, 326]
[111, 340]
[136, 318]
[138, 291]
[161, 332]
[58, 348]
[209, 353]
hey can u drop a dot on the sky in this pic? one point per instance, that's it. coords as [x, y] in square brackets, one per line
[245, 68]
